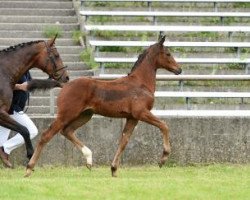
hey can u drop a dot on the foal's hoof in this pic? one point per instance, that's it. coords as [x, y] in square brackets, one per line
[162, 162]
[114, 171]
[28, 173]
[89, 166]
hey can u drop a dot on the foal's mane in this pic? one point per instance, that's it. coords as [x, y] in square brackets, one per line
[18, 46]
[142, 56]
[139, 60]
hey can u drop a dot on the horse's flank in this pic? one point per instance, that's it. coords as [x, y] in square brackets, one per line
[116, 98]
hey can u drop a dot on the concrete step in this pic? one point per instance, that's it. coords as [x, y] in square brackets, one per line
[41, 0]
[29, 34]
[72, 77]
[37, 26]
[45, 93]
[37, 4]
[39, 109]
[75, 65]
[70, 50]
[70, 58]
[60, 42]
[37, 12]
[39, 100]
[72, 73]
[37, 19]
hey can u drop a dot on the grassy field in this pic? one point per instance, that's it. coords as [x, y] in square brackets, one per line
[198, 182]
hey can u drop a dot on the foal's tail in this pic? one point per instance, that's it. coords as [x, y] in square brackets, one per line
[39, 84]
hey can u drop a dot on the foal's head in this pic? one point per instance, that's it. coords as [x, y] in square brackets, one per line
[164, 59]
[51, 61]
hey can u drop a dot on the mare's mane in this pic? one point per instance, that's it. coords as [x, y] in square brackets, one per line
[18, 46]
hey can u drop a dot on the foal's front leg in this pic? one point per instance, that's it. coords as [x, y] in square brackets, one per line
[126, 133]
[148, 117]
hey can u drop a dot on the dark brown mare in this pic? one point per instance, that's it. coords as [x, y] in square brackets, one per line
[14, 62]
[130, 97]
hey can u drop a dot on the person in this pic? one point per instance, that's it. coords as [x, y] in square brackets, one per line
[20, 97]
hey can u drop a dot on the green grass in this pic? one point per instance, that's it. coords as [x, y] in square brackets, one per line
[193, 182]
[52, 31]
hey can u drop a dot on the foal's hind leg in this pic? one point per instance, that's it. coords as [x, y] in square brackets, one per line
[68, 132]
[126, 133]
[45, 138]
[148, 117]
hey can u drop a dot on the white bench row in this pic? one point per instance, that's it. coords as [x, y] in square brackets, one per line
[201, 113]
[155, 14]
[97, 44]
[149, 3]
[245, 62]
[173, 1]
[157, 28]
[165, 29]
[189, 95]
[179, 60]
[176, 78]
[165, 77]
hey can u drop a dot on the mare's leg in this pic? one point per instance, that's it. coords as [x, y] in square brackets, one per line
[68, 132]
[148, 117]
[55, 127]
[126, 133]
[7, 122]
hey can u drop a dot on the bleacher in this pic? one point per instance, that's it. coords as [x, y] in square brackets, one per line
[206, 37]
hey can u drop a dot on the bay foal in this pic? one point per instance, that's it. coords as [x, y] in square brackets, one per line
[130, 97]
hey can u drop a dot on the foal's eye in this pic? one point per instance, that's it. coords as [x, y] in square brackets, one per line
[168, 54]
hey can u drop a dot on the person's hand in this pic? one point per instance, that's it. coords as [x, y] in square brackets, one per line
[22, 86]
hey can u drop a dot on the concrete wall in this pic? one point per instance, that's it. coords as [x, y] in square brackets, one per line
[193, 140]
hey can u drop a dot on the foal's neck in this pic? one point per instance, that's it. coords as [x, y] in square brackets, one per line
[146, 74]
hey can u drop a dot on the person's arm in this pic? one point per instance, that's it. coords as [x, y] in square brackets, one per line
[22, 86]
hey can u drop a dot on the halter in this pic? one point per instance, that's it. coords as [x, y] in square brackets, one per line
[55, 70]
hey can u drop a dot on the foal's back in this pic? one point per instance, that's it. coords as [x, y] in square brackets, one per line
[122, 97]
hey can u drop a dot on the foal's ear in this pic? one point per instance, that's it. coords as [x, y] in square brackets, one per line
[52, 41]
[162, 40]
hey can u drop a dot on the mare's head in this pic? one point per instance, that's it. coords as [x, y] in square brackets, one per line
[50, 61]
[163, 57]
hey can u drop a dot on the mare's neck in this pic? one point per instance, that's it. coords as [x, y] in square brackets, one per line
[145, 73]
[22, 61]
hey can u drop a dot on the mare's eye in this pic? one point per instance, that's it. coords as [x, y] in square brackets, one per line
[168, 54]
